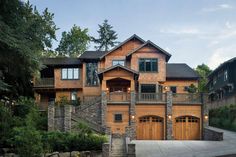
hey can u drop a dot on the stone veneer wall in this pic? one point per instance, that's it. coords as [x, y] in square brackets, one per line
[224, 102]
[212, 135]
[59, 117]
[169, 123]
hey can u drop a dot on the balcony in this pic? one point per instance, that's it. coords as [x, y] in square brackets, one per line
[118, 96]
[44, 83]
[151, 97]
[191, 98]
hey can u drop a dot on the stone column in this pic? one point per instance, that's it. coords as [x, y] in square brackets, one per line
[132, 113]
[67, 117]
[169, 123]
[104, 109]
[205, 110]
[51, 115]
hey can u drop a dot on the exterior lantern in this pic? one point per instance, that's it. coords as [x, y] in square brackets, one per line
[206, 117]
[169, 117]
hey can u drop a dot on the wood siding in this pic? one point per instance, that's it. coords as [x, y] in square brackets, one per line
[180, 84]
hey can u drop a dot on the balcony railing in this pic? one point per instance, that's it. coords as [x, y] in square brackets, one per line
[118, 96]
[44, 82]
[151, 97]
[187, 98]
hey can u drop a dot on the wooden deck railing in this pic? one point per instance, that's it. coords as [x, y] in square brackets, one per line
[44, 82]
[187, 98]
[151, 97]
[118, 96]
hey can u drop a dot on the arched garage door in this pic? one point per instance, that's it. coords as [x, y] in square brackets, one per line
[187, 128]
[150, 128]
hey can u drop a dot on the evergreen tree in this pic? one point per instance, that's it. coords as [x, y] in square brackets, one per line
[107, 37]
[203, 71]
[74, 42]
[24, 34]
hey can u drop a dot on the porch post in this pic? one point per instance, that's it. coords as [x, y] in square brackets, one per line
[51, 115]
[104, 105]
[132, 111]
[205, 110]
[169, 121]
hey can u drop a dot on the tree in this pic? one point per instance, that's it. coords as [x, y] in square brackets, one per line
[24, 34]
[74, 42]
[107, 37]
[203, 71]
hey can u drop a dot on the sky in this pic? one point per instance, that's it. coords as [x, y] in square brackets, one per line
[193, 31]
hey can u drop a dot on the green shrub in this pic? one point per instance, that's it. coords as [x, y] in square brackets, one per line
[27, 142]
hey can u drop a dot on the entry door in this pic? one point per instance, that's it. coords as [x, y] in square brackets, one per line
[187, 128]
[150, 128]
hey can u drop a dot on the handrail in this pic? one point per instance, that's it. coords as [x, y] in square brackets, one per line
[118, 96]
[151, 97]
[187, 98]
[44, 82]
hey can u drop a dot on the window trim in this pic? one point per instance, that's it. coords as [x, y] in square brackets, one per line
[64, 79]
[157, 68]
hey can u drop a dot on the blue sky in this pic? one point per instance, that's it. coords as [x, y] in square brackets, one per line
[193, 31]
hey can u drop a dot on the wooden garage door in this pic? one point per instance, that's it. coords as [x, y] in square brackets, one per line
[187, 128]
[150, 128]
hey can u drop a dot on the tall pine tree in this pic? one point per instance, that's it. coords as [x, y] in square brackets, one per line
[107, 37]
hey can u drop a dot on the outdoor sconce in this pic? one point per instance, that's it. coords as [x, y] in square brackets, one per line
[169, 117]
[128, 89]
[206, 117]
[107, 89]
[165, 87]
[132, 117]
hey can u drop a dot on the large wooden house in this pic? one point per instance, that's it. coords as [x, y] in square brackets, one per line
[134, 81]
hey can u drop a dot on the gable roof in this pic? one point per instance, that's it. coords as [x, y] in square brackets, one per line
[92, 54]
[221, 66]
[118, 66]
[180, 71]
[60, 61]
[122, 43]
[168, 55]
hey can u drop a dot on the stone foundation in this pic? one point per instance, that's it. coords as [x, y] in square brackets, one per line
[212, 135]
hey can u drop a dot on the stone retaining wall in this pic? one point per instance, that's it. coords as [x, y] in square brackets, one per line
[212, 135]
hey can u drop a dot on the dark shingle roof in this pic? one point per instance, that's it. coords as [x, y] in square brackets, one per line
[92, 54]
[180, 70]
[60, 61]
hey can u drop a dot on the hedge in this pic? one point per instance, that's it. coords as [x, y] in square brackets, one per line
[223, 117]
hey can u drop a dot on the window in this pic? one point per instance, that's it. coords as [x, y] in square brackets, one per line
[148, 65]
[120, 62]
[91, 74]
[173, 89]
[225, 75]
[70, 73]
[74, 95]
[118, 117]
[148, 88]
[214, 80]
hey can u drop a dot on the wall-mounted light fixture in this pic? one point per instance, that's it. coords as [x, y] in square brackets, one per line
[132, 117]
[206, 117]
[169, 117]
[166, 87]
[129, 89]
[107, 89]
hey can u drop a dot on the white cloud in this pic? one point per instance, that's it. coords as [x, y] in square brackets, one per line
[221, 55]
[217, 8]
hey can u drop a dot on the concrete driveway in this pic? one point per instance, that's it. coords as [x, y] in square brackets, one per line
[187, 148]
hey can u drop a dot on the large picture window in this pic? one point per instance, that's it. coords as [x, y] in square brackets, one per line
[148, 65]
[148, 88]
[91, 74]
[70, 73]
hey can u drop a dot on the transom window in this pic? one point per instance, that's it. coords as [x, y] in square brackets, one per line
[70, 73]
[118, 62]
[118, 117]
[148, 65]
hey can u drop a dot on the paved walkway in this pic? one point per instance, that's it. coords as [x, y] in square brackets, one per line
[187, 148]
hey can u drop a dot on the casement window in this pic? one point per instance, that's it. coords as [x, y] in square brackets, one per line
[70, 73]
[118, 117]
[173, 89]
[91, 74]
[148, 65]
[118, 62]
[148, 88]
[225, 75]
[73, 95]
